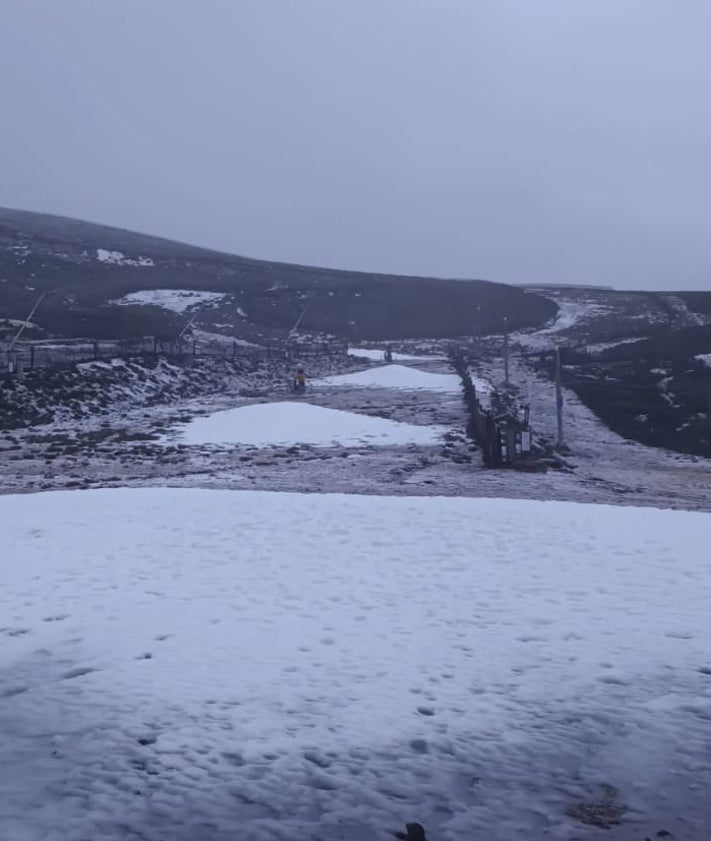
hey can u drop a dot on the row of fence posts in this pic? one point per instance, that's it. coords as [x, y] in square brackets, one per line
[501, 440]
[31, 356]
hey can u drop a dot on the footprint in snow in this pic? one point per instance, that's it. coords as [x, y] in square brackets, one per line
[78, 672]
[11, 691]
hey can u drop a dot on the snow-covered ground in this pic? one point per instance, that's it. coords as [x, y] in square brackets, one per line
[287, 423]
[571, 311]
[569, 314]
[176, 300]
[395, 376]
[378, 355]
[209, 665]
[484, 387]
[583, 313]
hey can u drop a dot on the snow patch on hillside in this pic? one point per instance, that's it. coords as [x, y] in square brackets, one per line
[599, 347]
[17, 322]
[176, 300]
[289, 423]
[117, 258]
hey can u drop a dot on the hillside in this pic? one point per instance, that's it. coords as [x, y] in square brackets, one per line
[84, 269]
[639, 360]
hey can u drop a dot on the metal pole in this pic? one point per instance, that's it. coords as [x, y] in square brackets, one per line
[559, 397]
[298, 322]
[26, 322]
[506, 350]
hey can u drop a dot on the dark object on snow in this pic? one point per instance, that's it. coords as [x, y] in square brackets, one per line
[414, 832]
[604, 812]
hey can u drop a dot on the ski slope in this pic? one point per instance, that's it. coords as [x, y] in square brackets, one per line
[193, 664]
[395, 376]
[286, 423]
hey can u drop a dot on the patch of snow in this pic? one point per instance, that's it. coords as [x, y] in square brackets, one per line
[667, 395]
[569, 314]
[209, 337]
[287, 423]
[16, 322]
[684, 313]
[395, 376]
[598, 347]
[704, 358]
[241, 312]
[117, 258]
[483, 387]
[176, 300]
[22, 252]
[378, 355]
[209, 664]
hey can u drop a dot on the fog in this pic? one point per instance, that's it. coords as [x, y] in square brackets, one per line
[563, 141]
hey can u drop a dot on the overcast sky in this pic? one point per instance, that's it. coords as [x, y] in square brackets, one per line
[515, 140]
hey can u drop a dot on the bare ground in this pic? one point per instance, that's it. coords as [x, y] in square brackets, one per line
[122, 448]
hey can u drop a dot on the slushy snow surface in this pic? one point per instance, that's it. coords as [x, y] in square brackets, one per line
[210, 665]
[395, 376]
[176, 300]
[287, 423]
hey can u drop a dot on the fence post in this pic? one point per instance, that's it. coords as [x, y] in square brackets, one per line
[155, 345]
[32, 357]
[559, 396]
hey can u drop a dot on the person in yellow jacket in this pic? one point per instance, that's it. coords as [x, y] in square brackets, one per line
[300, 380]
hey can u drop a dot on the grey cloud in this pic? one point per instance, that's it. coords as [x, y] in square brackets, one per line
[520, 141]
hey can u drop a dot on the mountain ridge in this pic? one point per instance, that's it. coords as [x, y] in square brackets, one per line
[83, 268]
